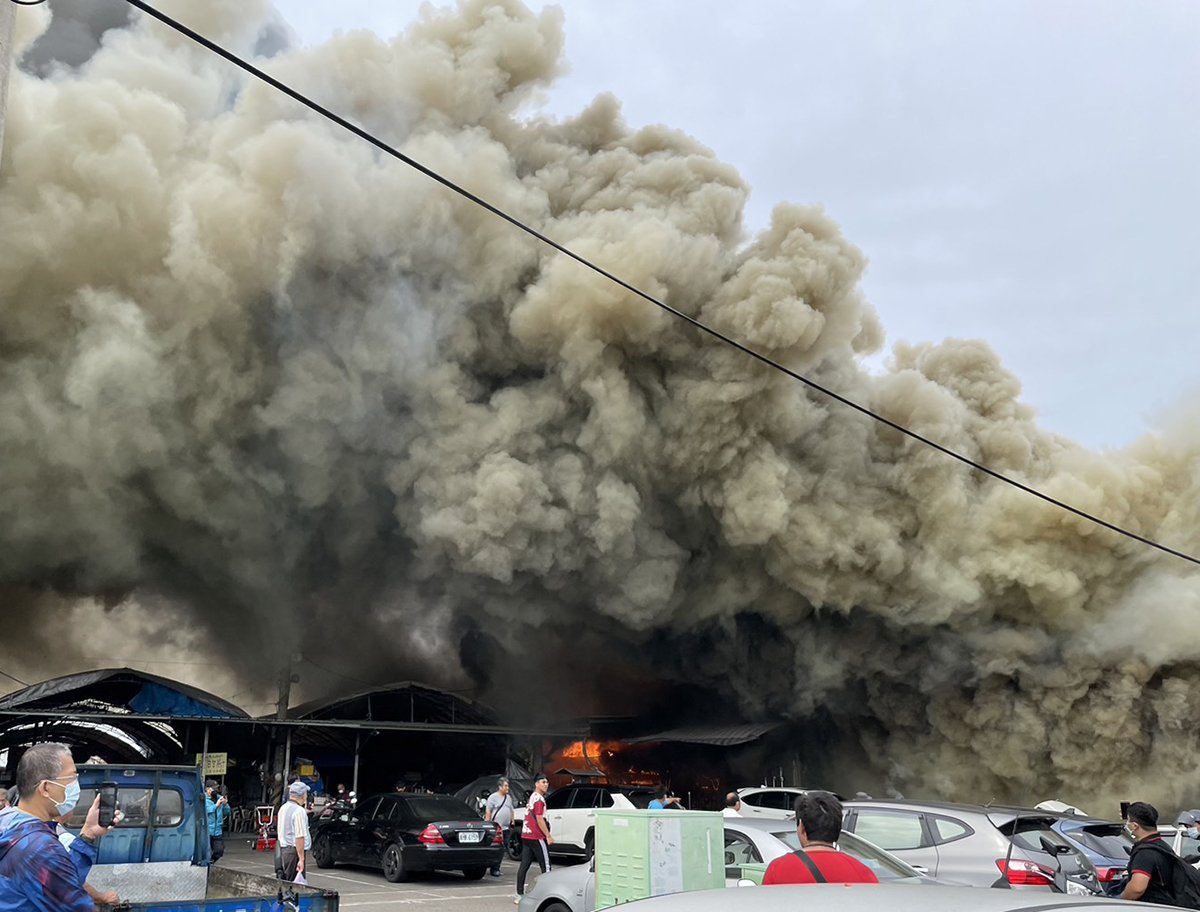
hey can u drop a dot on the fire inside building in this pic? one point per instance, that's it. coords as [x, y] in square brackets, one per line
[405, 735]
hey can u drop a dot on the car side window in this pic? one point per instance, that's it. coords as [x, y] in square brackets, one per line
[559, 800]
[739, 850]
[890, 830]
[385, 811]
[584, 798]
[757, 799]
[607, 800]
[783, 801]
[366, 810]
[948, 830]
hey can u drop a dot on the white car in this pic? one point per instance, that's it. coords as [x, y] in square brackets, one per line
[571, 812]
[772, 802]
[573, 889]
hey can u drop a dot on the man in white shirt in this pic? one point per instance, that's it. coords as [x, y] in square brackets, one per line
[733, 805]
[292, 828]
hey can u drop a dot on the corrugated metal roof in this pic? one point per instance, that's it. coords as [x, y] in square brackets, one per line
[401, 701]
[718, 735]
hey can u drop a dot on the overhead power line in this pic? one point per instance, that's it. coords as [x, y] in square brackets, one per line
[583, 261]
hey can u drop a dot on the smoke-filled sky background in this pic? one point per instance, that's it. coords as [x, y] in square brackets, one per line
[262, 390]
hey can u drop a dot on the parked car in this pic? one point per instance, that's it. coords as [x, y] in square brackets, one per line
[402, 833]
[873, 898]
[1105, 843]
[573, 889]
[969, 844]
[571, 811]
[774, 802]
[887, 867]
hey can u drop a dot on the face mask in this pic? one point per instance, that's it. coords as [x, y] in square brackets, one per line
[70, 797]
[1192, 833]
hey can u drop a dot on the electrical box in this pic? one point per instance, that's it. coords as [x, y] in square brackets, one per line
[651, 853]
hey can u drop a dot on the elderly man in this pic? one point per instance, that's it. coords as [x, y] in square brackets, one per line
[818, 826]
[733, 805]
[499, 809]
[293, 834]
[36, 867]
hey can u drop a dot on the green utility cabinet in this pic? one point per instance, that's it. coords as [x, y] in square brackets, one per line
[649, 853]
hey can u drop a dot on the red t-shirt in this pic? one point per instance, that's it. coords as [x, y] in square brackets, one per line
[837, 867]
[534, 825]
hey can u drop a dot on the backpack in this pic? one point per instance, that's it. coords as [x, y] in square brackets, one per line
[1185, 880]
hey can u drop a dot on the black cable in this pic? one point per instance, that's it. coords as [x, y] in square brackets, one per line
[28, 2]
[550, 242]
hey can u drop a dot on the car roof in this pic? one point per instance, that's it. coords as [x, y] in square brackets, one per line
[872, 898]
[951, 807]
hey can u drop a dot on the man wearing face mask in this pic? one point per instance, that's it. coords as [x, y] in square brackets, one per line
[37, 872]
[1189, 827]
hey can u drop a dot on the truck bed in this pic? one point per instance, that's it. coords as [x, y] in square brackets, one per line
[184, 887]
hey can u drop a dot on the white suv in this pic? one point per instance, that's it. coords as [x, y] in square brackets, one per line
[770, 802]
[571, 811]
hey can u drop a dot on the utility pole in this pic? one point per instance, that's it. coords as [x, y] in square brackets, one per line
[286, 679]
[8, 16]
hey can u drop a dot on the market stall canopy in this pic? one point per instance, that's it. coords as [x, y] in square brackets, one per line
[718, 735]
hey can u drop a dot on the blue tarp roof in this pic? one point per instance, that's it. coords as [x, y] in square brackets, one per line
[123, 688]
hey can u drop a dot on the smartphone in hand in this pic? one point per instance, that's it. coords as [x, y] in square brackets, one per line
[108, 803]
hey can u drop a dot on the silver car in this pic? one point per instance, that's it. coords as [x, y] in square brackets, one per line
[969, 844]
[573, 889]
[873, 898]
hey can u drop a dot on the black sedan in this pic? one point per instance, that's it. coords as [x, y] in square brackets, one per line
[405, 833]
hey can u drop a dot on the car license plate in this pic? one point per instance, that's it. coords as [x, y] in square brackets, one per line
[470, 837]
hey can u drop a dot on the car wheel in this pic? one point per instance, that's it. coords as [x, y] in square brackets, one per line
[323, 852]
[557, 906]
[589, 844]
[474, 873]
[393, 864]
[514, 849]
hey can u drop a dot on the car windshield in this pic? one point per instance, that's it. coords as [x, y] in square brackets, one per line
[434, 807]
[884, 865]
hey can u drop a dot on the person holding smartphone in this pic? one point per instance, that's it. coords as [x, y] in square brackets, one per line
[216, 807]
[34, 866]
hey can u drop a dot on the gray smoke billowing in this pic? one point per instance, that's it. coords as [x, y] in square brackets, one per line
[308, 399]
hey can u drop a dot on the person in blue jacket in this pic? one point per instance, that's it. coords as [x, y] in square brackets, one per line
[217, 807]
[37, 872]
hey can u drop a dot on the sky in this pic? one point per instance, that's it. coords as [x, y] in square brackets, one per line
[1023, 172]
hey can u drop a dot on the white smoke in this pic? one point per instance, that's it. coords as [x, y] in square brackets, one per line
[253, 369]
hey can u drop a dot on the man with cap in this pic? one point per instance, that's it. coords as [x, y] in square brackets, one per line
[292, 831]
[216, 806]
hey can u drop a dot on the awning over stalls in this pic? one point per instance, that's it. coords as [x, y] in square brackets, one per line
[716, 735]
[120, 713]
[122, 689]
[406, 701]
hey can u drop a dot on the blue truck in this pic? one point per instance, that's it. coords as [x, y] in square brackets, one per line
[158, 858]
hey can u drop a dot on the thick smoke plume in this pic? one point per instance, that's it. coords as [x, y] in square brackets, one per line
[272, 391]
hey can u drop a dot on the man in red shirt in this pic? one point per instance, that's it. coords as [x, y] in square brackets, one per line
[535, 834]
[818, 824]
